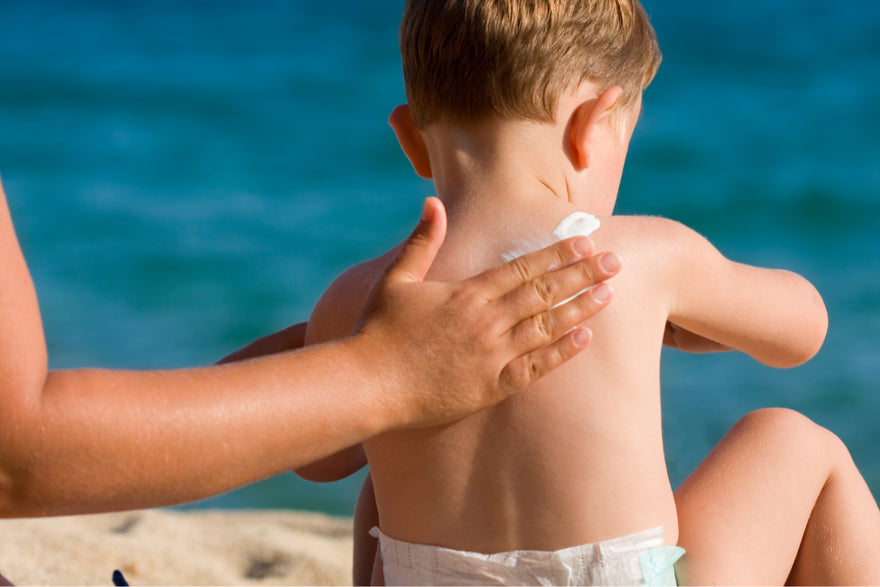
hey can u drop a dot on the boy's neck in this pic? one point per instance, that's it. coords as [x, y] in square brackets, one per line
[507, 163]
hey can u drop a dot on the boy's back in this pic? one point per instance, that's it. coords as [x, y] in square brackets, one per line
[575, 458]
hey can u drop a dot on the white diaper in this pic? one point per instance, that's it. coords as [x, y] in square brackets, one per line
[637, 559]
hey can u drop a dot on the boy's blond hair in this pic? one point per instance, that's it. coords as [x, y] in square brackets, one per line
[464, 60]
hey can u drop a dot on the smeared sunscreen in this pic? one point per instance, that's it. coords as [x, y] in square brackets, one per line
[575, 224]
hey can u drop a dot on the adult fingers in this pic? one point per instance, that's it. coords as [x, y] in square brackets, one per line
[544, 328]
[551, 289]
[420, 249]
[554, 335]
[528, 368]
[500, 280]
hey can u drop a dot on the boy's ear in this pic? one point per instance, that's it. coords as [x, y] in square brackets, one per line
[411, 140]
[586, 120]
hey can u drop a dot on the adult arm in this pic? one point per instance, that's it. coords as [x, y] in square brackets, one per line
[87, 440]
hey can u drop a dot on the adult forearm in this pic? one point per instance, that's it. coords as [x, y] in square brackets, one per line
[107, 440]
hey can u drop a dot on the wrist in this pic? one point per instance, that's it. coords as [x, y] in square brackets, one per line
[373, 363]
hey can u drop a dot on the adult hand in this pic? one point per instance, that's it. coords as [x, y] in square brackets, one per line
[447, 350]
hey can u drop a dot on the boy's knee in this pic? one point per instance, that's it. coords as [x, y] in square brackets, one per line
[778, 419]
[792, 428]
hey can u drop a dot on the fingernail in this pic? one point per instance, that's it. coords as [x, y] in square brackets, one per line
[583, 247]
[582, 336]
[602, 292]
[609, 262]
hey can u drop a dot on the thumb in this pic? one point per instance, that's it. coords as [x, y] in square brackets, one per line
[420, 249]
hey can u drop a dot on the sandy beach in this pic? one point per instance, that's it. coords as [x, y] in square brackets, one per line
[169, 547]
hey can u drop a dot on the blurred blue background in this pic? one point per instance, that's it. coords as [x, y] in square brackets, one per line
[188, 176]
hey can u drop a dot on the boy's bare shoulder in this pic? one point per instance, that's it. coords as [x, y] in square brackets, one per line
[657, 248]
[655, 233]
[339, 308]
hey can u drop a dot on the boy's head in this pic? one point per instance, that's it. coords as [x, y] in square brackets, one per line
[464, 60]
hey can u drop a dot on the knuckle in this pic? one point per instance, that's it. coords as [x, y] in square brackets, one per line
[562, 256]
[574, 311]
[545, 290]
[533, 368]
[587, 272]
[517, 374]
[485, 342]
[537, 332]
[470, 299]
[463, 305]
[543, 327]
[521, 268]
[591, 273]
[558, 355]
[461, 296]
[570, 313]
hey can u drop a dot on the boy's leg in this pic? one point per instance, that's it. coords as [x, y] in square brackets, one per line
[366, 548]
[778, 500]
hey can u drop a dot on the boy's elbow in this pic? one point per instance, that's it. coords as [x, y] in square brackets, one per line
[818, 328]
[21, 431]
[11, 503]
[14, 486]
[6, 493]
[813, 327]
[317, 474]
[334, 467]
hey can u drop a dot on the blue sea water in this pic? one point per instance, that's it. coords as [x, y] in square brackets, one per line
[187, 176]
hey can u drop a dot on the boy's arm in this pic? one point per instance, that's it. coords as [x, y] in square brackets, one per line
[289, 339]
[684, 340]
[335, 316]
[775, 316]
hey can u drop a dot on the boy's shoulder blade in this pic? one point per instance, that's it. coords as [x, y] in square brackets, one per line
[355, 282]
[339, 308]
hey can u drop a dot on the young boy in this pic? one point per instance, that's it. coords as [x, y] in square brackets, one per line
[521, 112]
